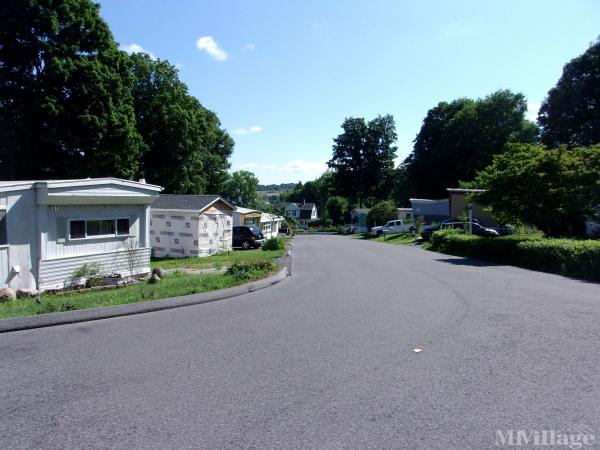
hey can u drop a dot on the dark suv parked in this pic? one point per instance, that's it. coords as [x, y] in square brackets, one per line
[247, 236]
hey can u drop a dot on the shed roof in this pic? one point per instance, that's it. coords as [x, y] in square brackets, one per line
[187, 202]
[241, 210]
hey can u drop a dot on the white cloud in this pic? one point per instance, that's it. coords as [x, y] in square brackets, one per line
[298, 166]
[246, 131]
[458, 29]
[249, 46]
[210, 46]
[136, 48]
[250, 165]
[320, 23]
[532, 110]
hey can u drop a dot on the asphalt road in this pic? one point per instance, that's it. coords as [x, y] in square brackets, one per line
[324, 359]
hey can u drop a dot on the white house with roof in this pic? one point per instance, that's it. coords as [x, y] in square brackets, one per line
[190, 225]
[302, 212]
[49, 229]
[268, 224]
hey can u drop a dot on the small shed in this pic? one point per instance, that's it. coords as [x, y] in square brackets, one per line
[190, 225]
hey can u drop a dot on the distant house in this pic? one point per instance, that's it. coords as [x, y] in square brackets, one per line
[358, 219]
[458, 206]
[50, 229]
[302, 212]
[268, 224]
[190, 225]
[246, 216]
[405, 214]
[430, 210]
[292, 210]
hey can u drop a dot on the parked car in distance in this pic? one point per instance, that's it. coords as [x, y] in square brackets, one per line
[393, 226]
[247, 237]
[477, 229]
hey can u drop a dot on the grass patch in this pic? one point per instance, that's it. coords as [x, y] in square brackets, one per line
[170, 286]
[572, 257]
[217, 261]
[397, 238]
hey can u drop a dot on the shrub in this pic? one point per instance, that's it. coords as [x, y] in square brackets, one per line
[381, 213]
[243, 270]
[273, 244]
[577, 258]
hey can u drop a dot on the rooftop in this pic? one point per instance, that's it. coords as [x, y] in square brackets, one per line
[187, 202]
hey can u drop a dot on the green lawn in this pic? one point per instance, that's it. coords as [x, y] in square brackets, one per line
[170, 286]
[217, 261]
[396, 238]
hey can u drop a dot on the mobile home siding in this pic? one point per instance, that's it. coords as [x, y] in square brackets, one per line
[55, 272]
[59, 247]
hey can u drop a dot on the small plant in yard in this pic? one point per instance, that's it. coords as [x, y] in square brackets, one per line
[246, 269]
[87, 272]
[133, 255]
[273, 244]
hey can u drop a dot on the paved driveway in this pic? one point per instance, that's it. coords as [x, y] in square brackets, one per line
[322, 360]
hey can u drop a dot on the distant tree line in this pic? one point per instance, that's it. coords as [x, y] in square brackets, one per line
[73, 105]
[543, 174]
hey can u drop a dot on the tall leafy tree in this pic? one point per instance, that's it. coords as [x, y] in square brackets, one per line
[363, 158]
[65, 94]
[187, 150]
[317, 191]
[553, 189]
[459, 138]
[337, 209]
[241, 189]
[570, 114]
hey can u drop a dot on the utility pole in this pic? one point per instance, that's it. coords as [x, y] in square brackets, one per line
[470, 206]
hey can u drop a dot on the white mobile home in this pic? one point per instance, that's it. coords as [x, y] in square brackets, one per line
[268, 224]
[49, 229]
[190, 225]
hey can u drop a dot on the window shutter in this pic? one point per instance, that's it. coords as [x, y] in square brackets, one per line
[61, 229]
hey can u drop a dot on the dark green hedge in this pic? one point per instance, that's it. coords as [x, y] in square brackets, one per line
[576, 258]
[274, 243]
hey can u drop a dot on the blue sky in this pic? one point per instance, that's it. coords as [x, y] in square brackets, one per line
[283, 75]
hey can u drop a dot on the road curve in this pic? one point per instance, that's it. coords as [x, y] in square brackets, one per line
[324, 359]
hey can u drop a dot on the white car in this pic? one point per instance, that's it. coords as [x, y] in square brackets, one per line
[393, 226]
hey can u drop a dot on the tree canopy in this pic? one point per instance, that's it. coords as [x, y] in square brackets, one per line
[461, 137]
[240, 189]
[73, 105]
[65, 94]
[381, 213]
[552, 189]
[317, 191]
[363, 158]
[570, 114]
[187, 150]
[337, 209]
